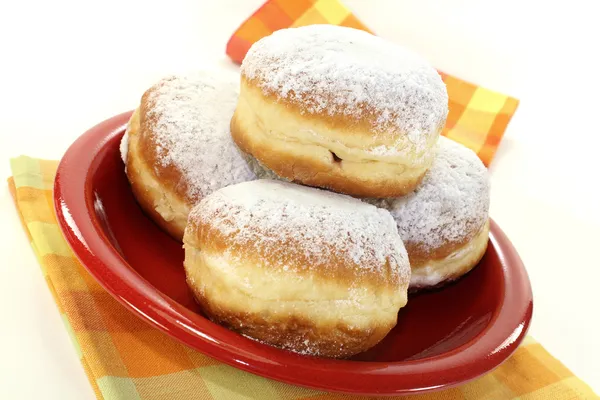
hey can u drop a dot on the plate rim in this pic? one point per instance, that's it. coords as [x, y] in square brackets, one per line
[74, 207]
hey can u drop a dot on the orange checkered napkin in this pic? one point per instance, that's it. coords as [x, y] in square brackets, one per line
[478, 117]
[127, 359]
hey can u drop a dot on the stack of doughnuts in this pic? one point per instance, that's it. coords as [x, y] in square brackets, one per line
[315, 192]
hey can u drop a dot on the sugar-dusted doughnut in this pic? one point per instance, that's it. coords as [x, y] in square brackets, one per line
[339, 108]
[296, 267]
[444, 223]
[178, 147]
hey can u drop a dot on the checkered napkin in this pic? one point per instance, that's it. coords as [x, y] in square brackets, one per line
[478, 117]
[126, 359]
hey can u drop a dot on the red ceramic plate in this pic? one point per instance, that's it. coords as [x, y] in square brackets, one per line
[443, 338]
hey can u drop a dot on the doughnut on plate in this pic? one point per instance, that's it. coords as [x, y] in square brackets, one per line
[443, 338]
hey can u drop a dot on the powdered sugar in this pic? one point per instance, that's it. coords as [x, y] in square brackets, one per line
[192, 114]
[287, 221]
[340, 70]
[450, 204]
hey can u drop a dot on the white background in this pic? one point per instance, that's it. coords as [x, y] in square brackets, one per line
[66, 65]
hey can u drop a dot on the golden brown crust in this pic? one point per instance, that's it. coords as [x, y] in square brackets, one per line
[170, 177]
[285, 140]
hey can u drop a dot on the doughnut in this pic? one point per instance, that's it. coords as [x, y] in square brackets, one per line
[341, 109]
[299, 268]
[178, 149]
[444, 223]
